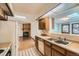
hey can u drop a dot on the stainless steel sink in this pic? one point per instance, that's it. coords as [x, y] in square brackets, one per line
[62, 42]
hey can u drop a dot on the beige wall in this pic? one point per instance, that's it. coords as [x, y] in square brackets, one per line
[7, 31]
[34, 29]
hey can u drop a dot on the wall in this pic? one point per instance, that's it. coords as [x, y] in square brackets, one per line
[34, 29]
[75, 20]
[7, 30]
[56, 26]
[8, 34]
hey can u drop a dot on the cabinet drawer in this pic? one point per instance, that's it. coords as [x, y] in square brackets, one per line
[47, 43]
[61, 50]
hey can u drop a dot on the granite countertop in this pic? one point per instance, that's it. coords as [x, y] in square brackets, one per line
[5, 46]
[73, 46]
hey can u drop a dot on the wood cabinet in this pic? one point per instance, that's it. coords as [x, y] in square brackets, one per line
[27, 30]
[69, 53]
[3, 16]
[44, 23]
[56, 53]
[47, 48]
[39, 45]
[27, 27]
[5, 11]
[36, 42]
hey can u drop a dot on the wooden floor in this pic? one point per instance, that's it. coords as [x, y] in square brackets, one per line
[26, 43]
[29, 52]
[27, 48]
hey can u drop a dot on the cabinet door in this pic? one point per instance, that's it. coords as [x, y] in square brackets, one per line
[44, 23]
[47, 49]
[41, 46]
[59, 49]
[56, 53]
[36, 42]
[69, 53]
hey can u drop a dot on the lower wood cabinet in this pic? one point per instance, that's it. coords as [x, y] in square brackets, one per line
[69, 53]
[56, 53]
[41, 46]
[47, 49]
[36, 42]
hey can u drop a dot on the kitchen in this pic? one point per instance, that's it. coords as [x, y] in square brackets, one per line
[53, 27]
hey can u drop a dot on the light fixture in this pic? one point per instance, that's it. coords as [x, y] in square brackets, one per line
[18, 16]
[65, 18]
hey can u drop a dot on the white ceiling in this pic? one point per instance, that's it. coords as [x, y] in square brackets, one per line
[31, 10]
[63, 10]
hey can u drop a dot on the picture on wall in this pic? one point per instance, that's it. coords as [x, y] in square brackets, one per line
[65, 28]
[75, 28]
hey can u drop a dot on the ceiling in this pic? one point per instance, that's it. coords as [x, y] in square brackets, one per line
[64, 10]
[34, 10]
[31, 10]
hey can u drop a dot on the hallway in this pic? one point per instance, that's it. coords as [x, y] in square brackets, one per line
[27, 48]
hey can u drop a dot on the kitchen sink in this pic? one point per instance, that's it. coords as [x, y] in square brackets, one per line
[1, 51]
[62, 42]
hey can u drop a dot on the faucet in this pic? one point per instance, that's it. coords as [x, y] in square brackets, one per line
[65, 39]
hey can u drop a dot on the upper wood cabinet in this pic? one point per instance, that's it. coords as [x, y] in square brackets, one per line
[27, 27]
[44, 23]
[5, 11]
[3, 16]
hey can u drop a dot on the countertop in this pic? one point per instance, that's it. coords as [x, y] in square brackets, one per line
[5, 46]
[73, 46]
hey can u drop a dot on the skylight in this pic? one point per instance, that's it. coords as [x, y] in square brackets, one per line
[73, 15]
[64, 18]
